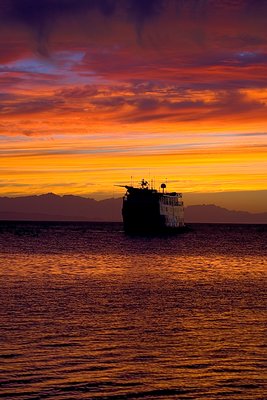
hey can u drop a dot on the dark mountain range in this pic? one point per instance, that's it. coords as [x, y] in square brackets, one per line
[51, 207]
[211, 213]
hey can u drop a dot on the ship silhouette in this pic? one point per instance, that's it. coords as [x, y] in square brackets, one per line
[147, 210]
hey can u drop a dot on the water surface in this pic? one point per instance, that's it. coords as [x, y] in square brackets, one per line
[87, 312]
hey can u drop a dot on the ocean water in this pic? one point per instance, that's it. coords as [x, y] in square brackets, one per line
[87, 312]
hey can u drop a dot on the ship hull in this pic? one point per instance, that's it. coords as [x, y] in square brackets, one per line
[135, 230]
[145, 212]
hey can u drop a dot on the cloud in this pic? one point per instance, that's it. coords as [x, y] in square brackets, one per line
[78, 92]
[234, 104]
[77, 108]
[46, 23]
[40, 17]
[106, 64]
[29, 106]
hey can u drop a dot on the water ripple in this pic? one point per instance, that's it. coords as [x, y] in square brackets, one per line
[89, 313]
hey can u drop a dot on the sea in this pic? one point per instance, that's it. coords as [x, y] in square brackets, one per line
[87, 312]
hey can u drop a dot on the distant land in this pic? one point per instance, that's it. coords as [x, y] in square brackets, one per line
[51, 207]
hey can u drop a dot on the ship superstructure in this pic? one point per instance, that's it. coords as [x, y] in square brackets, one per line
[149, 210]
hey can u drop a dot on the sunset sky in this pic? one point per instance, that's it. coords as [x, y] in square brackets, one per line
[94, 92]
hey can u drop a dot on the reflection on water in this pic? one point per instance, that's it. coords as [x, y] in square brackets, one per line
[89, 313]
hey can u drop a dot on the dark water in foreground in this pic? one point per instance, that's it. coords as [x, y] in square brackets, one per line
[89, 313]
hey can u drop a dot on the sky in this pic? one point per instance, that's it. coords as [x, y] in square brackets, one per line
[98, 93]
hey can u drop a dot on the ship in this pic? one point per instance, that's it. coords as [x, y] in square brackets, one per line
[147, 210]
